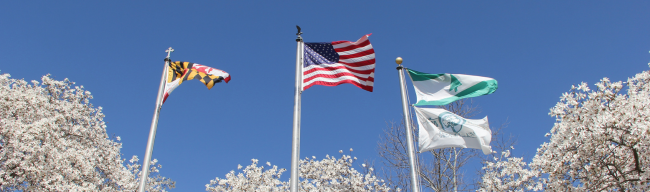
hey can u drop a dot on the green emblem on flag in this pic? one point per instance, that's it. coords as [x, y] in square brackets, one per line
[451, 122]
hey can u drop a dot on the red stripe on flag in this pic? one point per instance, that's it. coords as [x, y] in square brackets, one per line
[339, 42]
[165, 97]
[359, 54]
[360, 63]
[351, 47]
[364, 87]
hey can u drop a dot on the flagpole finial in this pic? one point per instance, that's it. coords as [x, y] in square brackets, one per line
[299, 38]
[169, 51]
[398, 60]
[299, 33]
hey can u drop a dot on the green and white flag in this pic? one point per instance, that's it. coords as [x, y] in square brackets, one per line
[440, 128]
[444, 88]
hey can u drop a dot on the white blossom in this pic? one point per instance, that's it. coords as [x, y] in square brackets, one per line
[329, 174]
[600, 142]
[53, 139]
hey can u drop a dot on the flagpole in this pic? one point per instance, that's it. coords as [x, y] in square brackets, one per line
[295, 145]
[409, 134]
[154, 125]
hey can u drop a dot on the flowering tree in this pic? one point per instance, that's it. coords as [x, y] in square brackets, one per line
[600, 142]
[329, 174]
[53, 139]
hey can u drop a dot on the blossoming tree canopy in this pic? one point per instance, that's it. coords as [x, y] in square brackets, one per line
[600, 142]
[53, 139]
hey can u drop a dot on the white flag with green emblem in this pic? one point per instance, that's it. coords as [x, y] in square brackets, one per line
[444, 88]
[440, 128]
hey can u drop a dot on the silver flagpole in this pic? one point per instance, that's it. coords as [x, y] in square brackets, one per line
[409, 134]
[295, 146]
[154, 125]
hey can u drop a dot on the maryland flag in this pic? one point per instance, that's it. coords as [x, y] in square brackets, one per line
[180, 71]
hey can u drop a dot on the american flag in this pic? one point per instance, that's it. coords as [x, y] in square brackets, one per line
[339, 62]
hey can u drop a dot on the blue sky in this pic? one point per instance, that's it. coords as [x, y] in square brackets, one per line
[535, 49]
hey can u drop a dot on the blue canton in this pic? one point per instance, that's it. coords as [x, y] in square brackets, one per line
[320, 53]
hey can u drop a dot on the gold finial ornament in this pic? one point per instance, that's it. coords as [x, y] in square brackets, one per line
[398, 60]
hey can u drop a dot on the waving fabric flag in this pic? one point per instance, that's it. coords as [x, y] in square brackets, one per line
[180, 71]
[444, 88]
[339, 62]
[440, 128]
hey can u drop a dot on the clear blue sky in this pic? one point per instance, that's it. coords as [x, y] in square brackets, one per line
[535, 49]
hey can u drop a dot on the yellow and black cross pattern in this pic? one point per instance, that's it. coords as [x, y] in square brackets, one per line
[184, 71]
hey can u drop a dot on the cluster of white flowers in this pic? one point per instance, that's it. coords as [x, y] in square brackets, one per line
[253, 178]
[600, 142]
[509, 174]
[155, 182]
[53, 139]
[329, 174]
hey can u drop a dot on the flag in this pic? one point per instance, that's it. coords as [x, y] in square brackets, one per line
[440, 128]
[339, 62]
[444, 88]
[180, 71]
